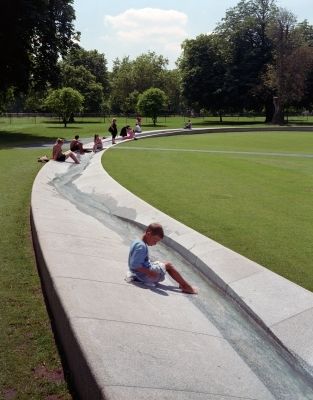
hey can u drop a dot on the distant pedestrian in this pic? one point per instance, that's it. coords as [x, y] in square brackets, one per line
[188, 125]
[113, 130]
[137, 128]
[98, 145]
[130, 133]
[123, 132]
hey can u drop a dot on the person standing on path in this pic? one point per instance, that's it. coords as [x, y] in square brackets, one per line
[113, 130]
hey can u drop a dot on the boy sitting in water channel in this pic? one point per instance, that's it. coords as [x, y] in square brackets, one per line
[150, 273]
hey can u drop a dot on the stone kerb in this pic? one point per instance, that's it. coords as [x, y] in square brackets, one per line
[282, 307]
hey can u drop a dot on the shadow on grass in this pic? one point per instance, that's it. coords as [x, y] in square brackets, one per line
[10, 140]
[157, 126]
[227, 123]
[62, 127]
[207, 123]
[70, 125]
[300, 123]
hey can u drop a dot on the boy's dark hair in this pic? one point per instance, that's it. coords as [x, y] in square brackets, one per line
[76, 137]
[156, 230]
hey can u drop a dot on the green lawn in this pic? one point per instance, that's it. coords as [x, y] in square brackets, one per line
[258, 205]
[29, 362]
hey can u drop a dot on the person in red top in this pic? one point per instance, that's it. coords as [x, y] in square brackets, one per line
[76, 145]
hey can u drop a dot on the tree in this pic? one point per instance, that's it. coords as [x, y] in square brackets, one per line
[34, 101]
[293, 58]
[172, 89]
[122, 84]
[6, 99]
[93, 62]
[83, 81]
[33, 34]
[64, 102]
[247, 50]
[202, 70]
[146, 71]
[306, 31]
[151, 103]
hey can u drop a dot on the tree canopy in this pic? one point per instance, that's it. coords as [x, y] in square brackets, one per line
[151, 103]
[129, 78]
[258, 56]
[93, 61]
[202, 73]
[33, 34]
[64, 102]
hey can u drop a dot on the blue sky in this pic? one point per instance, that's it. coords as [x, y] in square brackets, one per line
[121, 28]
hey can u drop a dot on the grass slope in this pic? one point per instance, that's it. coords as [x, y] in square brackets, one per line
[30, 365]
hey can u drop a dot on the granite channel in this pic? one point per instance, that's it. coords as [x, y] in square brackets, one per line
[239, 338]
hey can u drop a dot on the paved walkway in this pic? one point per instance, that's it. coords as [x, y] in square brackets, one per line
[124, 341]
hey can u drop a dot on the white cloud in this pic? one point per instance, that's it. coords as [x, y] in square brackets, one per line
[139, 30]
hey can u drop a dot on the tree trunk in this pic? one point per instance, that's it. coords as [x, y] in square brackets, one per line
[278, 117]
[269, 110]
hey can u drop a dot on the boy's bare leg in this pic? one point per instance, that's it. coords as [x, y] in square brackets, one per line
[184, 285]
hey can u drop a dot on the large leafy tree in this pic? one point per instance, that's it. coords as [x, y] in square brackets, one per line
[131, 77]
[202, 71]
[94, 62]
[82, 80]
[293, 57]
[64, 102]
[122, 84]
[151, 103]
[148, 70]
[33, 34]
[172, 88]
[247, 51]
[306, 31]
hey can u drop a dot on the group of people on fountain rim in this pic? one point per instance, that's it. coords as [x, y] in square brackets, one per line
[77, 147]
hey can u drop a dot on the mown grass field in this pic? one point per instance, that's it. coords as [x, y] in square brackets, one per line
[30, 366]
[257, 204]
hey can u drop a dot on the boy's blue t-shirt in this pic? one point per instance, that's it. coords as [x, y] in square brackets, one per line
[138, 255]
